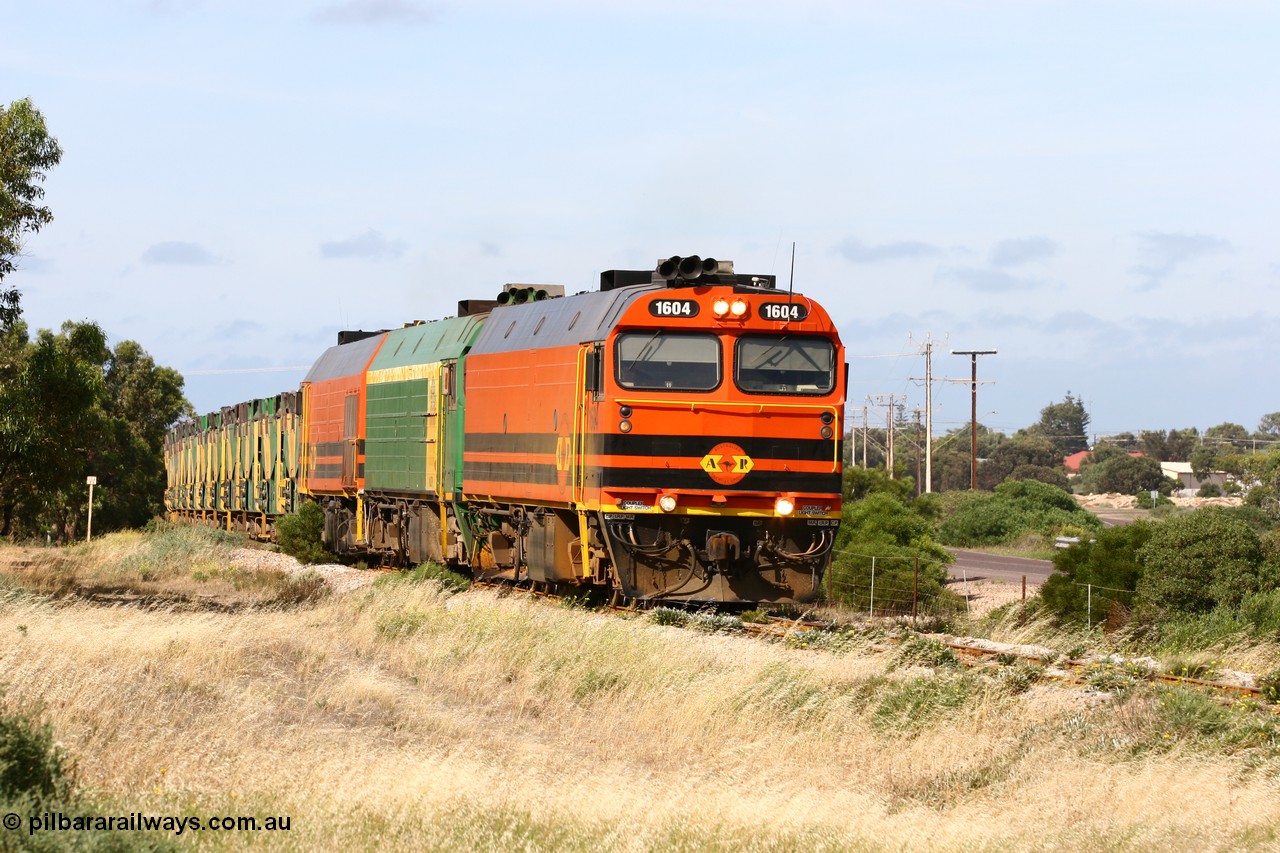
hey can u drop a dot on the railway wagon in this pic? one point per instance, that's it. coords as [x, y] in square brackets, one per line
[673, 436]
[236, 468]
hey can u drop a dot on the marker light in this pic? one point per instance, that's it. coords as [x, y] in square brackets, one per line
[826, 432]
[625, 426]
[739, 307]
[784, 506]
[720, 307]
[667, 502]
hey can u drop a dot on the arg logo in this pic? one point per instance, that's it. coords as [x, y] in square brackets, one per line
[727, 463]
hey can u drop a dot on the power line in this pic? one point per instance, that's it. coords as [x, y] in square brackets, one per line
[232, 370]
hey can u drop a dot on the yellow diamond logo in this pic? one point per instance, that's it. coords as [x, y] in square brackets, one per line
[727, 463]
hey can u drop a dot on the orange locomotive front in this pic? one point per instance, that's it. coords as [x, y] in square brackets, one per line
[675, 436]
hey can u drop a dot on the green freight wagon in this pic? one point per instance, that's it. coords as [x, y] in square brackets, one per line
[236, 468]
[413, 446]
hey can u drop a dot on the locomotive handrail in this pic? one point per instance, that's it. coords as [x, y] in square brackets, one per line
[759, 407]
[693, 404]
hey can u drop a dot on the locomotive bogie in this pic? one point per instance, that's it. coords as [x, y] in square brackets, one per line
[719, 559]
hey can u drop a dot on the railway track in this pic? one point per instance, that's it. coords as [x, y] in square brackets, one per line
[967, 654]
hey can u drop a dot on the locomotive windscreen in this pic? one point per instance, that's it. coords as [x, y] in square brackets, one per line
[784, 364]
[668, 360]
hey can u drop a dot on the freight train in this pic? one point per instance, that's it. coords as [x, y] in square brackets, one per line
[673, 436]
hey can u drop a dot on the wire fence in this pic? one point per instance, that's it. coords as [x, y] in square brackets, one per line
[1108, 601]
[892, 585]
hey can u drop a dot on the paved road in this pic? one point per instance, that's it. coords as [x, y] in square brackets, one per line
[975, 565]
[1120, 517]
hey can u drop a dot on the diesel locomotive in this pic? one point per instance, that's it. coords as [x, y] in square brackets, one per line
[673, 436]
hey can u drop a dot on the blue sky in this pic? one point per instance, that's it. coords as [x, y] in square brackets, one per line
[1091, 188]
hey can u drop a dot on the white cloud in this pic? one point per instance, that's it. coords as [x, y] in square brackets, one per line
[1011, 253]
[177, 253]
[857, 252]
[1162, 254]
[378, 12]
[991, 281]
[370, 244]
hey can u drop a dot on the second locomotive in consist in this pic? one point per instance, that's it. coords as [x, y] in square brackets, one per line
[674, 436]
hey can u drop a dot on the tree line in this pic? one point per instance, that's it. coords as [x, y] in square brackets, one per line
[1128, 463]
[71, 404]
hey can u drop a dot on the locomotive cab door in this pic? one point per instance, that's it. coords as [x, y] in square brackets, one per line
[350, 424]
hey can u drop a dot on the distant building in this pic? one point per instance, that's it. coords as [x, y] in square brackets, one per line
[1188, 483]
[1073, 462]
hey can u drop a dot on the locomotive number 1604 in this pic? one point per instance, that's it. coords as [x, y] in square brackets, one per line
[673, 308]
[784, 311]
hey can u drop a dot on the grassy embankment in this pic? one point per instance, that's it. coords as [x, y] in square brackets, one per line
[402, 717]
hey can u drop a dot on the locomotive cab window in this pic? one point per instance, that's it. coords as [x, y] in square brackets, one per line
[784, 364]
[668, 361]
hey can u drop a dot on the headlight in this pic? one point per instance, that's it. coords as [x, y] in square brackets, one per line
[720, 307]
[667, 502]
[784, 506]
[739, 307]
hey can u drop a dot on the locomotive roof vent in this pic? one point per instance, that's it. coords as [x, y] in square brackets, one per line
[516, 294]
[691, 268]
[691, 271]
[471, 307]
[350, 336]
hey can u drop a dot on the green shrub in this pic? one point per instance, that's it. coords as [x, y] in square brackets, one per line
[909, 706]
[1269, 684]
[1108, 561]
[1193, 667]
[1188, 714]
[1129, 475]
[883, 531]
[36, 779]
[1143, 500]
[669, 616]
[31, 766]
[715, 623]
[448, 579]
[1209, 490]
[1017, 508]
[1018, 678]
[1117, 678]
[398, 624]
[839, 641]
[918, 650]
[1197, 561]
[300, 534]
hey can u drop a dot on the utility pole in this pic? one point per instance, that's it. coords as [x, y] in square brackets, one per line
[864, 438]
[889, 422]
[927, 346]
[916, 412]
[973, 422]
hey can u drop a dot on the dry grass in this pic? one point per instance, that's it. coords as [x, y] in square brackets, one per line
[197, 567]
[401, 718]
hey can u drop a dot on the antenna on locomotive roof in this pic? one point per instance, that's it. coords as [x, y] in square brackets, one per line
[791, 282]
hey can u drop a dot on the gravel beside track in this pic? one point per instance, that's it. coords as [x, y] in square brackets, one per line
[339, 578]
